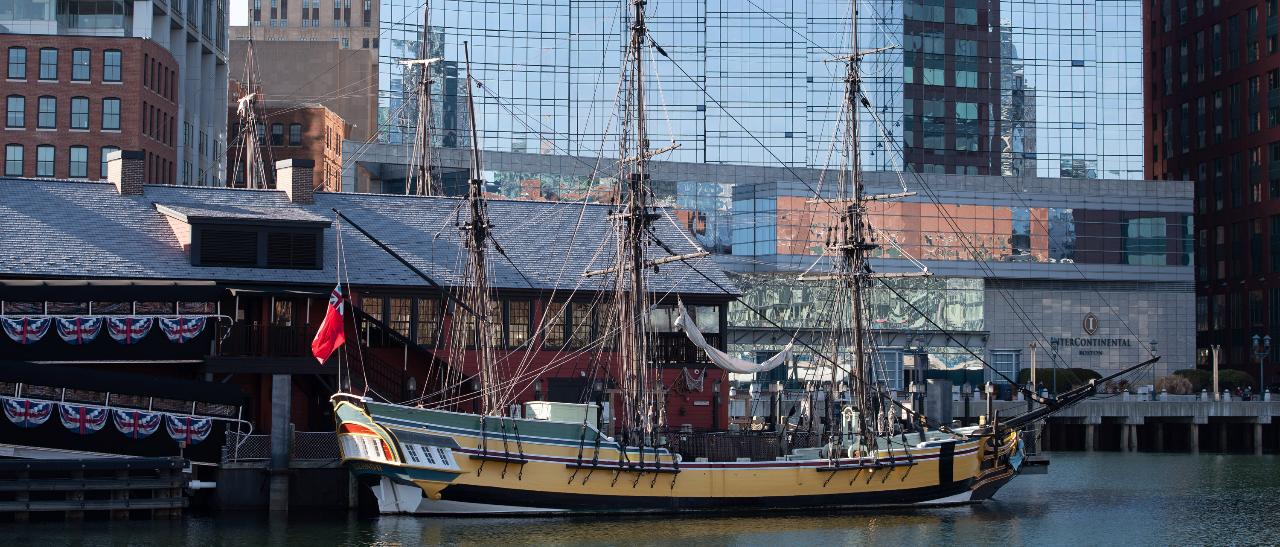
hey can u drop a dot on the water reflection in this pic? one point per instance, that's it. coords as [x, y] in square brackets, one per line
[1161, 499]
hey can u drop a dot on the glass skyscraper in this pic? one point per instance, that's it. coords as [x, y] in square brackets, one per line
[1014, 87]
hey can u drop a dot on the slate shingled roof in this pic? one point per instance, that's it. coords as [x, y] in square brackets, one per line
[85, 230]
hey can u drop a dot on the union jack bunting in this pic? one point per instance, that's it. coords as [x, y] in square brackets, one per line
[79, 330]
[182, 329]
[136, 424]
[26, 413]
[25, 330]
[186, 429]
[129, 329]
[82, 419]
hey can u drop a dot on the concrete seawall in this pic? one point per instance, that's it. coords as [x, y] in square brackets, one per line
[1121, 425]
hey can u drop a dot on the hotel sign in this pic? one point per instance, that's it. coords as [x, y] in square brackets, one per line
[1090, 325]
[1090, 342]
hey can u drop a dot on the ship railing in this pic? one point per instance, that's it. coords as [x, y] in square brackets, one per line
[728, 446]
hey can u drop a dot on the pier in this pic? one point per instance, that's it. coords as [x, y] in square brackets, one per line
[1179, 423]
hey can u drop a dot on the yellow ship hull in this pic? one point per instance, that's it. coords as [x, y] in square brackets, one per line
[431, 461]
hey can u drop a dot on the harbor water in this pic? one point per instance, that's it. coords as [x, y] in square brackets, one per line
[1093, 499]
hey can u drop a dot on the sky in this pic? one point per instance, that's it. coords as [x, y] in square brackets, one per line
[239, 12]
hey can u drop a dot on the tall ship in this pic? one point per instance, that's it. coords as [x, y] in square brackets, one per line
[465, 448]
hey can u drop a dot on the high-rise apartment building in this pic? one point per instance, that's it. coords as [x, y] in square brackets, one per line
[1212, 87]
[83, 77]
[1013, 87]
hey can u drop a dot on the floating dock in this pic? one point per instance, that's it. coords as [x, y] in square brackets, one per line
[73, 489]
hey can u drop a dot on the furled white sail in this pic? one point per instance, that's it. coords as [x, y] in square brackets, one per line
[722, 359]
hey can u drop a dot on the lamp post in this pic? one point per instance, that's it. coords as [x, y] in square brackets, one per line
[1034, 389]
[966, 391]
[1053, 345]
[1261, 349]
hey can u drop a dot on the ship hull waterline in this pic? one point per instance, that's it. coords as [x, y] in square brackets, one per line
[422, 461]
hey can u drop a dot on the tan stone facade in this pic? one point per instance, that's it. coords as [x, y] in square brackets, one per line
[314, 72]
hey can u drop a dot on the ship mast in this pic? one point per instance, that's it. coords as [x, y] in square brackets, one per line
[474, 329]
[851, 243]
[632, 218]
[425, 182]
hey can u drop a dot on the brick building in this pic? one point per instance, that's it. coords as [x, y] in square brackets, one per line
[155, 72]
[308, 131]
[1212, 87]
[69, 100]
[257, 267]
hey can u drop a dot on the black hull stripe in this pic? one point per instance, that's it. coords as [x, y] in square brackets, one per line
[623, 504]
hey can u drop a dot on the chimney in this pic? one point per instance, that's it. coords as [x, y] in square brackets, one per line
[126, 169]
[294, 176]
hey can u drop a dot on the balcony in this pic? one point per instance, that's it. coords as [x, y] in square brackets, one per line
[256, 340]
[674, 348]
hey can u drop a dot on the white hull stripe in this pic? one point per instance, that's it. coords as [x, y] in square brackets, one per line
[850, 463]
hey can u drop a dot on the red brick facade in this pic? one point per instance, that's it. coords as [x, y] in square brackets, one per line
[1212, 98]
[310, 132]
[144, 81]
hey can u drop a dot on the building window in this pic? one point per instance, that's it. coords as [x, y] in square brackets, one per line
[106, 155]
[553, 322]
[48, 112]
[519, 322]
[887, 369]
[398, 316]
[295, 134]
[281, 312]
[13, 160]
[111, 113]
[1005, 362]
[79, 162]
[428, 326]
[17, 63]
[372, 305]
[111, 65]
[48, 64]
[582, 319]
[80, 65]
[15, 111]
[79, 112]
[277, 134]
[44, 160]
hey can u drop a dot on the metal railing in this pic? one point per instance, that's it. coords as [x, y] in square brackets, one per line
[733, 445]
[257, 340]
[304, 446]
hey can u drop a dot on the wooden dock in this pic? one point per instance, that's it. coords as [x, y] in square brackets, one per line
[73, 489]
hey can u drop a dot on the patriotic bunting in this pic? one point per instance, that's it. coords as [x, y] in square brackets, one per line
[129, 329]
[126, 329]
[86, 420]
[187, 429]
[79, 330]
[25, 330]
[136, 424]
[181, 330]
[82, 419]
[26, 413]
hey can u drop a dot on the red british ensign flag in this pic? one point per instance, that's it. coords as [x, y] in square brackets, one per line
[331, 335]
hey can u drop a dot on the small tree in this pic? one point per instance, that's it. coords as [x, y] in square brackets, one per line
[1200, 379]
[1175, 384]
